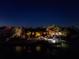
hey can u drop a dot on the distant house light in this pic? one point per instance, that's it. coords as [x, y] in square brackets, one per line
[60, 33]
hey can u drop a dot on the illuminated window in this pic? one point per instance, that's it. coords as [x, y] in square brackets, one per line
[37, 34]
[60, 33]
[28, 33]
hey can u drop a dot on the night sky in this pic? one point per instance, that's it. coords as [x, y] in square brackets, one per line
[39, 12]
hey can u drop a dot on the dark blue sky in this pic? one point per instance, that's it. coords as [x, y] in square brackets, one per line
[39, 12]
